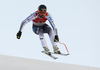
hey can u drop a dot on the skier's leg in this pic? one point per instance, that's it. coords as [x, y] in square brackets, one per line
[43, 42]
[51, 36]
[42, 39]
[39, 31]
[48, 30]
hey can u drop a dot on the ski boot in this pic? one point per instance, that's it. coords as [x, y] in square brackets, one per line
[56, 50]
[47, 51]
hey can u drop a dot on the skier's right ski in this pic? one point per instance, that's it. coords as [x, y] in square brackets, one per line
[50, 55]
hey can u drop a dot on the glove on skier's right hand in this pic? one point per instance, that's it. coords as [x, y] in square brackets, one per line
[56, 39]
[19, 34]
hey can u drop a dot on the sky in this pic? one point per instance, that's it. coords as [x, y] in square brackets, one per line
[77, 21]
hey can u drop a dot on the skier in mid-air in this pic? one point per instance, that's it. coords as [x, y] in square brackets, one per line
[40, 27]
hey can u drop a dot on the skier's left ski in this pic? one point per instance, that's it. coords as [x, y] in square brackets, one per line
[50, 55]
[61, 54]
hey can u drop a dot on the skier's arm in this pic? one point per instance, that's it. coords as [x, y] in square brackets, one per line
[54, 27]
[28, 19]
[52, 24]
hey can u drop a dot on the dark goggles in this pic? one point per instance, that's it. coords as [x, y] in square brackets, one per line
[42, 9]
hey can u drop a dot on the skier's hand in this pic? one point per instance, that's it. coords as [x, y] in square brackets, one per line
[56, 39]
[19, 34]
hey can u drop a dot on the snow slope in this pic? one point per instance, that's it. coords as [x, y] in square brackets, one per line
[16, 63]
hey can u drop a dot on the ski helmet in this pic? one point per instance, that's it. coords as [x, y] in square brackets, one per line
[42, 8]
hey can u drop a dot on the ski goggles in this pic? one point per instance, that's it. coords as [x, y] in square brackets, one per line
[42, 9]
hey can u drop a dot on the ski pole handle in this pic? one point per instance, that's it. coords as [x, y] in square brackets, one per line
[55, 40]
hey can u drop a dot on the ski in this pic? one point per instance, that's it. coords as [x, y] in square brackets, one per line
[50, 55]
[60, 54]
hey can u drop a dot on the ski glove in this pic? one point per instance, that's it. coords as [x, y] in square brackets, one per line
[56, 39]
[19, 34]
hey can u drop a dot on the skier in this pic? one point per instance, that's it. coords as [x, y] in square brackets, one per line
[39, 27]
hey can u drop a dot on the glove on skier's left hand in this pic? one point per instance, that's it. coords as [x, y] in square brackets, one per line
[56, 39]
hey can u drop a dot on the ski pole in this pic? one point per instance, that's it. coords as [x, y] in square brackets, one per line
[64, 45]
